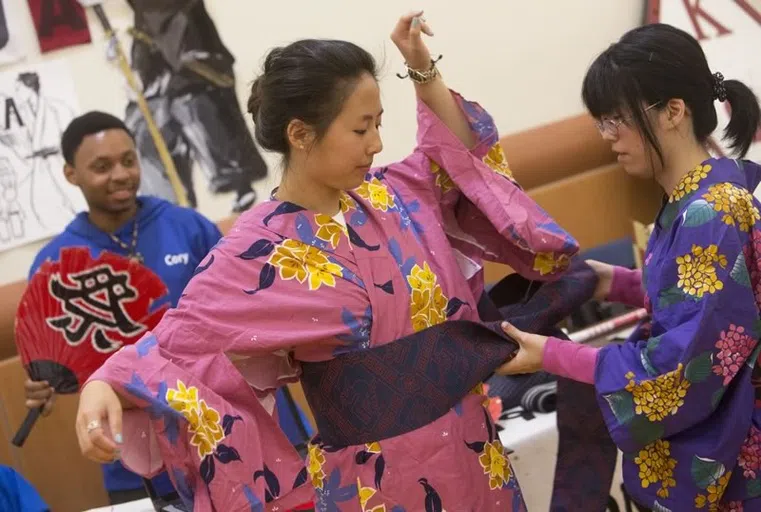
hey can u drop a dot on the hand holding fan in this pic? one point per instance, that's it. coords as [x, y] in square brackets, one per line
[76, 312]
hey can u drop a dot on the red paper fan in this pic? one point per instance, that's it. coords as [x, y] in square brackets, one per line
[77, 311]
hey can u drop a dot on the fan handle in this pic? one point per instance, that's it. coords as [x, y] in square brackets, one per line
[23, 432]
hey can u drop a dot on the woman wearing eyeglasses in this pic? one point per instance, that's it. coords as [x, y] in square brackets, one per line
[682, 403]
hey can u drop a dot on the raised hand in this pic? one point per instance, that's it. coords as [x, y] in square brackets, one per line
[407, 36]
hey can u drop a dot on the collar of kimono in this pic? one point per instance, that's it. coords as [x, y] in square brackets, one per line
[698, 183]
[415, 380]
[289, 220]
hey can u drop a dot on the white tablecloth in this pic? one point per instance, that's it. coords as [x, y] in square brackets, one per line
[144, 505]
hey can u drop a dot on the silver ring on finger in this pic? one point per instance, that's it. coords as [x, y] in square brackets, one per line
[93, 425]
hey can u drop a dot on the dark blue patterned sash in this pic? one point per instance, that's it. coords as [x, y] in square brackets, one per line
[383, 392]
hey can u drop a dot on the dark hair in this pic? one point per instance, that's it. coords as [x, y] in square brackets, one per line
[84, 125]
[653, 64]
[31, 80]
[307, 80]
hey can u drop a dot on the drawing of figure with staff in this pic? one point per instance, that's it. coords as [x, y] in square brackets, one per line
[189, 86]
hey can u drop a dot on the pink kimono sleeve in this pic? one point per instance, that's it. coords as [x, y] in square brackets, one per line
[221, 447]
[627, 288]
[202, 382]
[485, 213]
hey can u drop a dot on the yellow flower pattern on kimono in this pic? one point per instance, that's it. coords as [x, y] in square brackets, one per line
[329, 230]
[697, 271]
[365, 495]
[549, 263]
[182, 399]
[690, 182]
[481, 391]
[735, 203]
[713, 495]
[346, 203]
[443, 180]
[495, 159]
[204, 422]
[428, 304]
[495, 464]
[305, 263]
[377, 194]
[659, 397]
[656, 465]
[315, 462]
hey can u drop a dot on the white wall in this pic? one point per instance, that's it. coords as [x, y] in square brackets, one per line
[522, 60]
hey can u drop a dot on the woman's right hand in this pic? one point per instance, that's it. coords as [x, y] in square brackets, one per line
[604, 273]
[99, 407]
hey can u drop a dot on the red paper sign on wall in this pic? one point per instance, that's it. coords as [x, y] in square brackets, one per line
[59, 23]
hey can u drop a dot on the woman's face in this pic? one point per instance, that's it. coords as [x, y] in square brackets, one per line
[345, 153]
[633, 152]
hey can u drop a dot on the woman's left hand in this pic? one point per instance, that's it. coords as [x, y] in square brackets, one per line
[530, 355]
[407, 37]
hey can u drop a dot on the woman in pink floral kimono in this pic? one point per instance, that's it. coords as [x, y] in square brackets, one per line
[343, 259]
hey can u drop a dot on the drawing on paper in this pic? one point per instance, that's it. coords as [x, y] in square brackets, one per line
[36, 201]
[189, 85]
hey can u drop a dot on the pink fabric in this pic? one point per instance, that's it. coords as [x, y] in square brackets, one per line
[627, 288]
[570, 360]
[288, 285]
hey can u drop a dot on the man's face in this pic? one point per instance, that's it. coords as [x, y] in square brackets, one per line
[107, 170]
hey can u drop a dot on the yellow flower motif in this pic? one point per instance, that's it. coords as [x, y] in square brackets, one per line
[377, 194]
[428, 304]
[479, 390]
[365, 495]
[697, 272]
[182, 399]
[495, 159]
[346, 203]
[660, 397]
[443, 180]
[420, 322]
[315, 462]
[656, 465]
[373, 447]
[736, 203]
[715, 492]
[690, 182]
[289, 258]
[421, 278]
[495, 464]
[206, 428]
[548, 263]
[204, 424]
[329, 230]
[297, 260]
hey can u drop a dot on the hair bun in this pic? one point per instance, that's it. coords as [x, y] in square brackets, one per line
[271, 58]
[255, 98]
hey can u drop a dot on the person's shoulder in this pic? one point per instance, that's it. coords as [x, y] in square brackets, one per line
[51, 250]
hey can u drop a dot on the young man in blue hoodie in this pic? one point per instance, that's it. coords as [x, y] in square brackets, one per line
[101, 159]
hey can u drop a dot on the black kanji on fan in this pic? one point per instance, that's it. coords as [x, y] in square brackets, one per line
[94, 304]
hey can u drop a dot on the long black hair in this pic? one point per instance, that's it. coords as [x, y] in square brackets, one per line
[653, 64]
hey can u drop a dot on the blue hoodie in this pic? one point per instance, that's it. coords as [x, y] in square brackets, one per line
[16, 493]
[173, 241]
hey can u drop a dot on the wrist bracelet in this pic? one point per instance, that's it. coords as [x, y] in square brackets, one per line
[422, 77]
